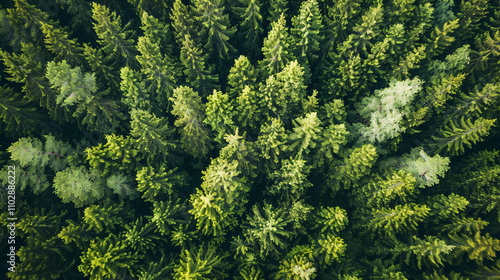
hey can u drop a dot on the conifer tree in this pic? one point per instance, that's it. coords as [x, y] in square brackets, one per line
[182, 22]
[58, 43]
[306, 34]
[79, 185]
[101, 67]
[74, 86]
[305, 134]
[167, 214]
[268, 228]
[158, 70]
[190, 114]
[201, 263]
[18, 115]
[478, 248]
[272, 143]
[402, 218]
[291, 180]
[430, 251]
[104, 217]
[107, 258]
[116, 40]
[152, 135]
[276, 9]
[277, 50]
[215, 29]
[198, 75]
[456, 135]
[134, 88]
[220, 113]
[386, 109]
[250, 30]
[356, 165]
[240, 75]
[157, 183]
[118, 153]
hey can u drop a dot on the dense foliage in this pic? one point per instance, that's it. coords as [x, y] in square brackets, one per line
[252, 139]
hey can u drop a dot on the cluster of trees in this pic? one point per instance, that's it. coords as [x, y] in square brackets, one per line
[252, 139]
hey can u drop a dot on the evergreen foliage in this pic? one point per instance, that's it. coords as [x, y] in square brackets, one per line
[250, 139]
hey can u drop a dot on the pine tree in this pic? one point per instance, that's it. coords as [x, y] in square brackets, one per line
[456, 135]
[277, 50]
[215, 29]
[240, 75]
[431, 251]
[158, 183]
[397, 185]
[122, 185]
[306, 133]
[425, 168]
[201, 263]
[18, 115]
[276, 9]
[74, 86]
[291, 180]
[441, 38]
[331, 220]
[190, 114]
[241, 151]
[101, 67]
[182, 22]
[118, 153]
[268, 227]
[271, 143]
[400, 219]
[447, 207]
[58, 43]
[116, 40]
[106, 217]
[107, 259]
[167, 214]
[198, 76]
[306, 34]
[134, 88]
[356, 165]
[478, 248]
[386, 109]
[158, 70]
[284, 92]
[220, 113]
[152, 135]
[79, 185]
[250, 30]
[471, 13]
[329, 249]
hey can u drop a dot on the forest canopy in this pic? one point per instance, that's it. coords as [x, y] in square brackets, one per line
[251, 139]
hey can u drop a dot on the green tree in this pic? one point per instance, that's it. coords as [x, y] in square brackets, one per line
[79, 185]
[152, 135]
[58, 43]
[116, 40]
[220, 113]
[107, 258]
[306, 34]
[157, 183]
[356, 165]
[277, 50]
[240, 75]
[118, 153]
[402, 218]
[197, 74]
[454, 136]
[305, 134]
[215, 29]
[190, 112]
[202, 263]
[250, 27]
[268, 228]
